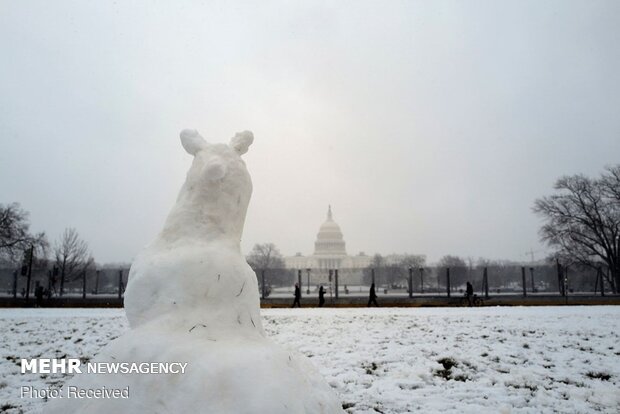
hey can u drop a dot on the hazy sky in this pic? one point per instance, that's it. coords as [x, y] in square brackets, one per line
[431, 127]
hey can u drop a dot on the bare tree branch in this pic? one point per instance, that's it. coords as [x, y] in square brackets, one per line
[15, 235]
[583, 220]
[72, 256]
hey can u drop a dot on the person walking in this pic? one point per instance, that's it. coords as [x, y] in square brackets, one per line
[297, 296]
[372, 297]
[38, 294]
[321, 296]
[470, 293]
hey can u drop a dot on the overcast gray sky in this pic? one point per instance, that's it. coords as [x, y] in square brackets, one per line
[431, 127]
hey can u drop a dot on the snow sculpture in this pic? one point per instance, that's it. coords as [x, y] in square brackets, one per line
[192, 298]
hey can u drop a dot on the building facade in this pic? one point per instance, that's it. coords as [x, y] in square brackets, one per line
[329, 251]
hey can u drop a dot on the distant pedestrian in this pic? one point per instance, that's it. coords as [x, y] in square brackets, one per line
[321, 296]
[470, 293]
[297, 296]
[372, 297]
[38, 294]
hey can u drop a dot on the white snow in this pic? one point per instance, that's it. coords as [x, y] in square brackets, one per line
[512, 360]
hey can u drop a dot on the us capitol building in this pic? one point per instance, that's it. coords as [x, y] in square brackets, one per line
[329, 251]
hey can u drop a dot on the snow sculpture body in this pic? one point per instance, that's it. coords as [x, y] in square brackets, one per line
[192, 298]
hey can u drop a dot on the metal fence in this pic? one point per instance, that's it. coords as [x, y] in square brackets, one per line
[101, 282]
[340, 283]
[437, 281]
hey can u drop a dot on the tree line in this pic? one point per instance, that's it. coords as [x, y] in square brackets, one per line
[581, 226]
[67, 259]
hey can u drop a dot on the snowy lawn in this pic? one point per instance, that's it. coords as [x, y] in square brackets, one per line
[387, 360]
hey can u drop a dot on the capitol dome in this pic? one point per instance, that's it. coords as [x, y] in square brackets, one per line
[329, 254]
[329, 240]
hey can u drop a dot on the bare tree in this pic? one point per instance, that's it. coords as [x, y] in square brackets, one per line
[610, 183]
[266, 257]
[72, 257]
[414, 261]
[583, 220]
[377, 261]
[458, 269]
[376, 264]
[391, 271]
[15, 237]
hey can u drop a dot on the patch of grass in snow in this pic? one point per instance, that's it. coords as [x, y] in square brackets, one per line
[409, 386]
[568, 381]
[442, 373]
[447, 363]
[370, 368]
[603, 376]
[527, 386]
[446, 373]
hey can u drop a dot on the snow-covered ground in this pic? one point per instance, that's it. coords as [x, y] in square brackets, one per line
[389, 360]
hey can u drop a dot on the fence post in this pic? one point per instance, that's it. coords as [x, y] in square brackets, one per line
[62, 282]
[448, 280]
[336, 282]
[614, 286]
[523, 280]
[83, 284]
[485, 281]
[602, 281]
[299, 280]
[15, 284]
[565, 284]
[411, 282]
[560, 278]
[29, 274]
[120, 283]
[262, 283]
[421, 280]
[97, 282]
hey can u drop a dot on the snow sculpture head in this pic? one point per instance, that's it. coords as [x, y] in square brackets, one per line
[194, 270]
[214, 199]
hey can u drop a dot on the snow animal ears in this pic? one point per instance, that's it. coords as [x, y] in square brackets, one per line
[241, 141]
[192, 141]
